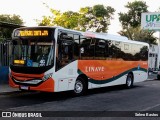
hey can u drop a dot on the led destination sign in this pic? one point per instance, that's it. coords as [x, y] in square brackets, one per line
[26, 33]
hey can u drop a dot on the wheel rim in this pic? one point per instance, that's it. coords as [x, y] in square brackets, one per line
[129, 81]
[78, 87]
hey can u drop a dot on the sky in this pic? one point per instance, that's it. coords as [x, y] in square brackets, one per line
[30, 10]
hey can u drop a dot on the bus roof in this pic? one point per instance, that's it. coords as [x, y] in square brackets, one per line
[117, 38]
[104, 36]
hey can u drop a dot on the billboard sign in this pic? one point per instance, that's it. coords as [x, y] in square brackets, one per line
[150, 21]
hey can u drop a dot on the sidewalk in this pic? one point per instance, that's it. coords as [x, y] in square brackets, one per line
[152, 76]
[6, 88]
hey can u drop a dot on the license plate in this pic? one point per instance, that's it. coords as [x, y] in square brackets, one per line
[24, 87]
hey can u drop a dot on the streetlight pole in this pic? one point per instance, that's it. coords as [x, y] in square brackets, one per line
[159, 50]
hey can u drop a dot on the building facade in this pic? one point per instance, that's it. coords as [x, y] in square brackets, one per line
[154, 57]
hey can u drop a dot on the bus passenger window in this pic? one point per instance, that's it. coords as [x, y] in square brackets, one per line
[100, 49]
[87, 48]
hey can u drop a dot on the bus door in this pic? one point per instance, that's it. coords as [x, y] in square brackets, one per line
[63, 58]
[65, 51]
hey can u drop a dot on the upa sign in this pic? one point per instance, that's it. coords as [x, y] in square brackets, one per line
[150, 21]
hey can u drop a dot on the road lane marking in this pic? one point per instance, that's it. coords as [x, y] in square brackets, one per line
[151, 107]
[151, 84]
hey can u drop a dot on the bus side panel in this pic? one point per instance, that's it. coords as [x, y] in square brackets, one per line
[65, 77]
[140, 76]
[118, 81]
[112, 72]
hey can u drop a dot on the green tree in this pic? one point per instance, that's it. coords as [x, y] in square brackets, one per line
[131, 22]
[139, 35]
[96, 18]
[67, 19]
[46, 21]
[12, 19]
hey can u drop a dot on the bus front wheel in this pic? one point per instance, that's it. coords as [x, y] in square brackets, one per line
[129, 81]
[80, 87]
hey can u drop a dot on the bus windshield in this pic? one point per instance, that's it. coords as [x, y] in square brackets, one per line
[33, 52]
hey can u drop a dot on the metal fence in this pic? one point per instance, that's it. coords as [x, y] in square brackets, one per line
[5, 53]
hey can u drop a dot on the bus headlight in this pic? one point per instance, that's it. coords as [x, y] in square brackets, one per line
[47, 76]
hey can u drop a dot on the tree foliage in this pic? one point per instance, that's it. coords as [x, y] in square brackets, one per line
[139, 35]
[133, 17]
[67, 19]
[13, 19]
[96, 18]
[131, 22]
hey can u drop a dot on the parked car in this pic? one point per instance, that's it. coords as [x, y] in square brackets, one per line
[158, 74]
[155, 71]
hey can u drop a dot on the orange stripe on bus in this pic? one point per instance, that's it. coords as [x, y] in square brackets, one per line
[105, 69]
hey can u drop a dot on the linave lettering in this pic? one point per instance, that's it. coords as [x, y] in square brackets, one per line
[94, 69]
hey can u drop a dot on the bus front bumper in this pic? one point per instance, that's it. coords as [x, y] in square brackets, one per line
[46, 86]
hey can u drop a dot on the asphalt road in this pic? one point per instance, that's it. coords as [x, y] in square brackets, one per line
[103, 102]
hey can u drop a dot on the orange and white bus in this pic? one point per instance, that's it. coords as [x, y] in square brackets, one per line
[55, 59]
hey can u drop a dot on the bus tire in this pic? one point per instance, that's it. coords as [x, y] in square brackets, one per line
[129, 81]
[80, 87]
